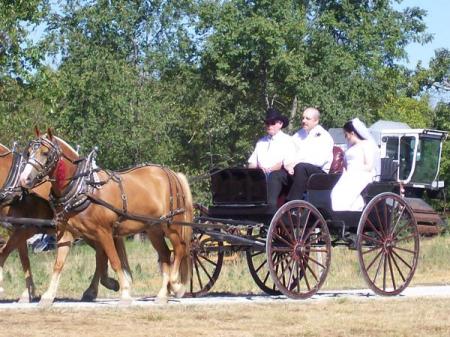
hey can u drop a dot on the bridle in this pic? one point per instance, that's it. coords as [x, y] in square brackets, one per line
[54, 155]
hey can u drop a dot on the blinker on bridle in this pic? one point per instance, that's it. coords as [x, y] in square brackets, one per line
[53, 157]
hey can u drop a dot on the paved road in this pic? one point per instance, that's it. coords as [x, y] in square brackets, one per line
[213, 299]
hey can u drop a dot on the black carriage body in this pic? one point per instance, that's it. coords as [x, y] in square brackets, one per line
[240, 194]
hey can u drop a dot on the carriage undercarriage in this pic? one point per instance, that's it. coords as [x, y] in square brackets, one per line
[289, 252]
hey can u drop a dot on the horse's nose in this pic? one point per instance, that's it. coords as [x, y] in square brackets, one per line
[25, 182]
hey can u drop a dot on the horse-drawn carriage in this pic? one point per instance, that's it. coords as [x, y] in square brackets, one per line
[289, 251]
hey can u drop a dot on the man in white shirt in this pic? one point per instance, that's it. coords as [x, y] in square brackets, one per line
[272, 154]
[314, 153]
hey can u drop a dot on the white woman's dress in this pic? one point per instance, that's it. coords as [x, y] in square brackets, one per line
[346, 194]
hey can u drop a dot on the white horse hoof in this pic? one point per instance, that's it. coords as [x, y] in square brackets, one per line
[45, 302]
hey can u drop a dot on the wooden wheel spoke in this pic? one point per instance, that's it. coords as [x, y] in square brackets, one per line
[291, 274]
[371, 250]
[406, 225]
[391, 271]
[279, 259]
[204, 269]
[260, 266]
[198, 274]
[379, 221]
[305, 276]
[310, 270]
[398, 268]
[369, 238]
[401, 259]
[277, 236]
[209, 260]
[374, 259]
[384, 272]
[258, 253]
[381, 235]
[378, 268]
[316, 262]
[283, 226]
[306, 223]
[404, 250]
[412, 236]
[398, 219]
[311, 229]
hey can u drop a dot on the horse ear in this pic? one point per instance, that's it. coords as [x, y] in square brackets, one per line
[49, 134]
[36, 131]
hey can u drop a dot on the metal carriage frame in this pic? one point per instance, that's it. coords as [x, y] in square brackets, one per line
[288, 250]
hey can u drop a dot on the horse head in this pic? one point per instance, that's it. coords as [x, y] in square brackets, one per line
[42, 156]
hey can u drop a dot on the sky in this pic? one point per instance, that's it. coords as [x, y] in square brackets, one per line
[438, 24]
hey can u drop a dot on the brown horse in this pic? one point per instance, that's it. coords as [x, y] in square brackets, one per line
[32, 205]
[101, 204]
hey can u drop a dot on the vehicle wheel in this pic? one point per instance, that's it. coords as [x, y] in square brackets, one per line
[207, 259]
[257, 263]
[388, 244]
[298, 249]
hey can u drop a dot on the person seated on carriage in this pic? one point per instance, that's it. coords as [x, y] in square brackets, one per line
[362, 160]
[313, 153]
[272, 154]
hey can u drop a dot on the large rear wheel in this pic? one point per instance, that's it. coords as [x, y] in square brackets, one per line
[257, 263]
[298, 249]
[388, 244]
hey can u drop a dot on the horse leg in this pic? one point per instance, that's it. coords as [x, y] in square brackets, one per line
[63, 248]
[156, 237]
[29, 293]
[100, 274]
[124, 277]
[18, 239]
[179, 251]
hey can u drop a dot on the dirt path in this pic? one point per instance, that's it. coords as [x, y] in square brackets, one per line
[216, 299]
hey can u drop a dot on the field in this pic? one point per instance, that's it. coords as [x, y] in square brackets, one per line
[340, 317]
[433, 268]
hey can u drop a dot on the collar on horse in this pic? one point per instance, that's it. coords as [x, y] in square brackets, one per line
[82, 183]
[11, 189]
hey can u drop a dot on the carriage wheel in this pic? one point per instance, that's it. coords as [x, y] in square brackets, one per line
[298, 249]
[207, 259]
[388, 244]
[257, 264]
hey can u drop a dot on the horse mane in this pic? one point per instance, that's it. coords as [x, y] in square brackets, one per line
[66, 148]
[3, 149]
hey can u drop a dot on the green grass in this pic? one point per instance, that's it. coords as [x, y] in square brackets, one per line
[344, 273]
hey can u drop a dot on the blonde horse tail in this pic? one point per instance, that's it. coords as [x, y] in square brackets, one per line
[186, 232]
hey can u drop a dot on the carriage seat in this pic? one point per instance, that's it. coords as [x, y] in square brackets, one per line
[337, 165]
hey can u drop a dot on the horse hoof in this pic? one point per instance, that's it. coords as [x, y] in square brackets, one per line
[178, 290]
[111, 284]
[25, 299]
[45, 302]
[88, 296]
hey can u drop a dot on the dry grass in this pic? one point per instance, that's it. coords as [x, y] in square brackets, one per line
[382, 317]
[344, 273]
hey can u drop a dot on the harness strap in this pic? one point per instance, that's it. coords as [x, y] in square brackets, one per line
[138, 217]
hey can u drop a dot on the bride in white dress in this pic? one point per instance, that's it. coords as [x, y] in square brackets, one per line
[362, 167]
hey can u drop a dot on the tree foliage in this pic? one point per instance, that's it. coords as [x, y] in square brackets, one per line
[185, 83]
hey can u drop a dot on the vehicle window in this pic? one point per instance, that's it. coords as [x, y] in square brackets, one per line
[407, 147]
[392, 148]
[428, 161]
